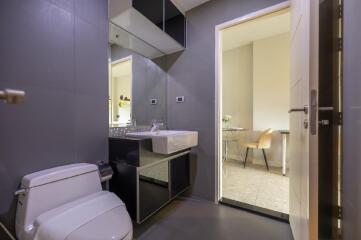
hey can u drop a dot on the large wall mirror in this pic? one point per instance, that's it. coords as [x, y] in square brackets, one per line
[137, 81]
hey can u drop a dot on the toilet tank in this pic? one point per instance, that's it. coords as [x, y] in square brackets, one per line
[47, 189]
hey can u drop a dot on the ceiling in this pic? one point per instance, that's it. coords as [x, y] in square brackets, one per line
[248, 32]
[186, 5]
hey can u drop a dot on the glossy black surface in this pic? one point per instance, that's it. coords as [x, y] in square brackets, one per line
[159, 179]
[123, 184]
[174, 22]
[328, 136]
[151, 9]
[180, 174]
[133, 151]
[126, 150]
[153, 189]
[165, 15]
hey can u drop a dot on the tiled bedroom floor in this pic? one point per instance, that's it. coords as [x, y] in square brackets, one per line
[256, 186]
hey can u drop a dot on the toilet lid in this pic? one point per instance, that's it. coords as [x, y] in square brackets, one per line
[112, 225]
[99, 216]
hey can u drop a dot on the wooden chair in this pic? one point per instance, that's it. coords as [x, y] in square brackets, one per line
[263, 142]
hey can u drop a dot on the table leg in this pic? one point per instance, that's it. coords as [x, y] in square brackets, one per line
[284, 152]
[226, 150]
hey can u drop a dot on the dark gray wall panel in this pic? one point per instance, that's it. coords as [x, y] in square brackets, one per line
[192, 75]
[57, 52]
[351, 194]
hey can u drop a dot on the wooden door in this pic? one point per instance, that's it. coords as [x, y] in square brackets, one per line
[300, 138]
[315, 135]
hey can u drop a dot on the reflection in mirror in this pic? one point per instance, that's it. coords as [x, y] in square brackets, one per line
[137, 84]
[120, 92]
[153, 188]
[122, 38]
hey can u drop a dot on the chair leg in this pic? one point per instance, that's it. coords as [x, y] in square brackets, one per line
[245, 159]
[265, 158]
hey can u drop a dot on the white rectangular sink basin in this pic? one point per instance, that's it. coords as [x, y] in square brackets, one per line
[167, 142]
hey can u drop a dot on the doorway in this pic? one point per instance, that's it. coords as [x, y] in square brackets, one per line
[315, 121]
[254, 104]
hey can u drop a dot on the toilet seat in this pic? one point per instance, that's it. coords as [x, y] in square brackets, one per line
[99, 216]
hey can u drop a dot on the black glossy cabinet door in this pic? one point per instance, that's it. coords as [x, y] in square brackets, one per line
[180, 179]
[165, 15]
[175, 22]
[153, 189]
[151, 9]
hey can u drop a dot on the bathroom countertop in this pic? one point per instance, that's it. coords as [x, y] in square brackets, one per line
[136, 152]
[128, 138]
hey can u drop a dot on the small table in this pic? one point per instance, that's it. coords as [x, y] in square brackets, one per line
[284, 134]
[230, 129]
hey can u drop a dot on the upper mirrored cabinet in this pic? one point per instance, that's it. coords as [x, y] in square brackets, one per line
[153, 10]
[174, 22]
[124, 39]
[159, 23]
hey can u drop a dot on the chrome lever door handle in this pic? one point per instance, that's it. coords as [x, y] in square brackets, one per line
[304, 109]
[322, 109]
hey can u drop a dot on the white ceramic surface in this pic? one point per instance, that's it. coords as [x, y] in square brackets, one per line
[169, 141]
[69, 200]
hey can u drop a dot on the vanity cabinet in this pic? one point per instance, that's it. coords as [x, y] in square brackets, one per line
[144, 180]
[152, 10]
[158, 23]
[179, 170]
[174, 22]
[165, 15]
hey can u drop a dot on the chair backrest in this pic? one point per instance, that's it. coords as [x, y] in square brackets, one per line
[264, 141]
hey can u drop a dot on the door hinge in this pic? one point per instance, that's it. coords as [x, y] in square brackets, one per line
[339, 118]
[339, 212]
[339, 233]
[340, 11]
[340, 44]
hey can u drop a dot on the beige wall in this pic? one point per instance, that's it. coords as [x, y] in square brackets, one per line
[271, 78]
[255, 92]
[237, 86]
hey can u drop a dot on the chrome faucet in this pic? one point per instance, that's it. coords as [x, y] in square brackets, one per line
[155, 126]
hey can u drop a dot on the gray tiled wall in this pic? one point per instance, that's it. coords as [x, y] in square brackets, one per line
[351, 175]
[57, 52]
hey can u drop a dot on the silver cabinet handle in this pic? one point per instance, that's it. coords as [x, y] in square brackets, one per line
[304, 109]
[324, 122]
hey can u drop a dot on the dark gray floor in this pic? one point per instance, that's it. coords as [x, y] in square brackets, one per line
[197, 219]
[3, 235]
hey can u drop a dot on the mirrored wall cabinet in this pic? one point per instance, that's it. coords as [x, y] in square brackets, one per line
[159, 23]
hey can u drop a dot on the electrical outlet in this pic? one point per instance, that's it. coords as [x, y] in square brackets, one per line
[153, 101]
[179, 99]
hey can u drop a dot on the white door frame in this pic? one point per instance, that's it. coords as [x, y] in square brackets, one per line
[218, 84]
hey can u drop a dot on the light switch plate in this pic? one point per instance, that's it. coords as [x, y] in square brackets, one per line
[179, 99]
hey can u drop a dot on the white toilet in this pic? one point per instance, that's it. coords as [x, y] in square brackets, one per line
[68, 203]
